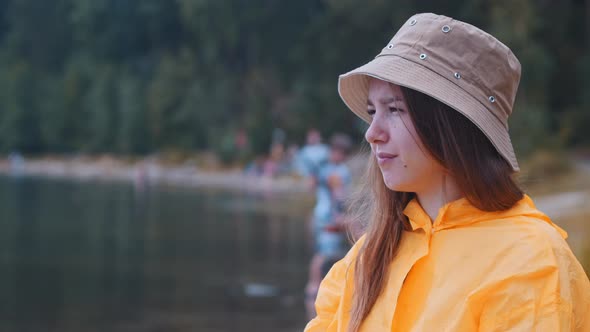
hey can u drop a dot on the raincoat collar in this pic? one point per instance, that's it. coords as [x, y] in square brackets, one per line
[462, 213]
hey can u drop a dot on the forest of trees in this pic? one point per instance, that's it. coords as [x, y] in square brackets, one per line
[140, 76]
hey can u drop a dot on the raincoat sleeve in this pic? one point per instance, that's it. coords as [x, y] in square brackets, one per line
[331, 290]
[328, 299]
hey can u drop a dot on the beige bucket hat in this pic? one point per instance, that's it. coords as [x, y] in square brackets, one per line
[452, 61]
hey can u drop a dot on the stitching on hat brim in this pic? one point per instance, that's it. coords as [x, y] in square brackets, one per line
[446, 78]
[353, 89]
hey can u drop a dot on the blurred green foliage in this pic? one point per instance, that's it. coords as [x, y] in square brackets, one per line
[138, 76]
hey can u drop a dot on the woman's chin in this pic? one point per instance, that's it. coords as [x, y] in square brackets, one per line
[400, 184]
[394, 184]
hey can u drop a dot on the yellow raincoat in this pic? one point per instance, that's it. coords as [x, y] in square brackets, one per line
[470, 270]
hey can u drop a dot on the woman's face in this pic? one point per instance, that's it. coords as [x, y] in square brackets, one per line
[404, 162]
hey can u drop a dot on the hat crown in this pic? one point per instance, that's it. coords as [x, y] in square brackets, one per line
[476, 61]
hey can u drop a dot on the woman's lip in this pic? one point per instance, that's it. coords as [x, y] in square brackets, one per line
[383, 158]
[385, 155]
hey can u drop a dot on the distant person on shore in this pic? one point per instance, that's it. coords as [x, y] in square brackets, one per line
[290, 159]
[242, 145]
[140, 177]
[328, 226]
[273, 164]
[17, 162]
[255, 167]
[312, 156]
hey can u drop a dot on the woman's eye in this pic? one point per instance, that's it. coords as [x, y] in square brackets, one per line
[371, 112]
[395, 109]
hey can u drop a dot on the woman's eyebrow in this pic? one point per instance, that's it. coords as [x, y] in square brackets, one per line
[386, 100]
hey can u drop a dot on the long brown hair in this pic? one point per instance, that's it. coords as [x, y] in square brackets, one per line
[483, 176]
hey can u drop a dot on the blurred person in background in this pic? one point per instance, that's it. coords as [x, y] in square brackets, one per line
[312, 156]
[452, 243]
[273, 165]
[328, 226]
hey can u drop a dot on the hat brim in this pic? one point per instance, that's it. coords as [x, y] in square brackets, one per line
[353, 88]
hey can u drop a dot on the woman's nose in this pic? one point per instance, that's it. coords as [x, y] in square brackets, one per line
[375, 132]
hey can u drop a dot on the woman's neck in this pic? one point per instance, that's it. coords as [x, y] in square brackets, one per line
[437, 195]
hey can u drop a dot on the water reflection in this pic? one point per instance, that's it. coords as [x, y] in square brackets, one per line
[105, 257]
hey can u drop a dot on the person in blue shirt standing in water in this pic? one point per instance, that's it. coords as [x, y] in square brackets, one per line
[312, 156]
[328, 227]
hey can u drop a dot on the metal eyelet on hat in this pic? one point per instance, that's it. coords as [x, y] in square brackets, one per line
[492, 99]
[422, 56]
[446, 28]
[457, 75]
[390, 46]
[413, 22]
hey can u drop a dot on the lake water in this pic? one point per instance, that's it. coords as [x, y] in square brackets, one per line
[90, 256]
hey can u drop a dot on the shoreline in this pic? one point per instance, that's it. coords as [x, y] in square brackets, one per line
[150, 172]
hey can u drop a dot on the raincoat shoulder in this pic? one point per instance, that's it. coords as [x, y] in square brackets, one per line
[536, 283]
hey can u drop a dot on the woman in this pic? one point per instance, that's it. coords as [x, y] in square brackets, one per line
[452, 243]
